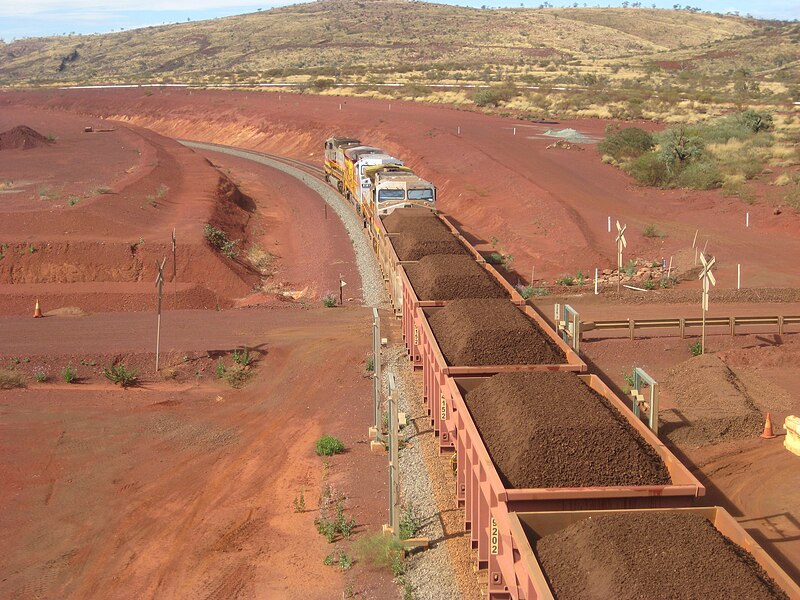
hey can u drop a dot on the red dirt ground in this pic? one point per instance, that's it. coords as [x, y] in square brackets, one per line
[177, 491]
[548, 208]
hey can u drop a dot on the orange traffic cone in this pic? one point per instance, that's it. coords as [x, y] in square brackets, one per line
[37, 312]
[768, 435]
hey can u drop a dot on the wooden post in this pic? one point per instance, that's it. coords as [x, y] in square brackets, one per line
[160, 287]
[694, 241]
[174, 270]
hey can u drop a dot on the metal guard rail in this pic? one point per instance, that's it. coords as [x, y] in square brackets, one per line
[779, 321]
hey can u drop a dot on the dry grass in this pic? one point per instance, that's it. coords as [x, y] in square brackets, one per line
[10, 380]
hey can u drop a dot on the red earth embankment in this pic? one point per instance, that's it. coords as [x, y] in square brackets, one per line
[547, 207]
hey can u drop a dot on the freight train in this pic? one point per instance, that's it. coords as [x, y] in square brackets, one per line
[540, 446]
[372, 180]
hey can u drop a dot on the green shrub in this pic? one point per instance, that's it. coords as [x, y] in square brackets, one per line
[220, 368]
[410, 522]
[40, 374]
[495, 258]
[219, 240]
[627, 143]
[69, 374]
[529, 291]
[494, 95]
[10, 380]
[323, 84]
[329, 445]
[565, 280]
[696, 349]
[381, 552]
[243, 357]
[120, 375]
[700, 175]
[651, 231]
[329, 301]
[649, 169]
[756, 121]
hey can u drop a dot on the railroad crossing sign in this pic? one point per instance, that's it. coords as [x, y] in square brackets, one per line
[621, 243]
[708, 280]
[160, 286]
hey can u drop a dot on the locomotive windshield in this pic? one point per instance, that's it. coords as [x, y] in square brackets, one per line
[426, 194]
[384, 195]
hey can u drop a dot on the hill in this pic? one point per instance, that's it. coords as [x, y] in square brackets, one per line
[368, 37]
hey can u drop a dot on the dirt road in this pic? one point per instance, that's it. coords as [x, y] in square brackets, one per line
[187, 494]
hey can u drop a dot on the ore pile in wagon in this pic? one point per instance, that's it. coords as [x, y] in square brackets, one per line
[550, 430]
[629, 556]
[479, 332]
[451, 277]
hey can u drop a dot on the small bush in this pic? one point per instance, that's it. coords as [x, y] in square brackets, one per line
[370, 365]
[120, 375]
[565, 280]
[410, 523]
[627, 143]
[649, 169]
[219, 239]
[243, 357]
[381, 552]
[494, 95]
[238, 376]
[495, 258]
[220, 369]
[700, 175]
[40, 374]
[529, 291]
[323, 84]
[329, 300]
[10, 380]
[756, 121]
[651, 231]
[300, 502]
[329, 445]
[69, 374]
[696, 349]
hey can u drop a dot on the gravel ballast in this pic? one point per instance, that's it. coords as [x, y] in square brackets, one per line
[551, 430]
[450, 277]
[477, 332]
[680, 556]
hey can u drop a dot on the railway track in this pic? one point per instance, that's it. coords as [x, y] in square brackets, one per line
[305, 167]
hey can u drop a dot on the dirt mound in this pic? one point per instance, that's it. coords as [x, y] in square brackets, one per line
[711, 404]
[416, 244]
[450, 277]
[412, 219]
[22, 137]
[491, 332]
[550, 430]
[612, 557]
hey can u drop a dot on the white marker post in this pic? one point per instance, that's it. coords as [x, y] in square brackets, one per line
[459, 130]
[738, 276]
[595, 281]
[515, 131]
[340, 106]
[747, 220]
[609, 224]
[694, 242]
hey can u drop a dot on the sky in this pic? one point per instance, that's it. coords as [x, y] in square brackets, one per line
[33, 18]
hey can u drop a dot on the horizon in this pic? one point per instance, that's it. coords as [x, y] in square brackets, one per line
[47, 18]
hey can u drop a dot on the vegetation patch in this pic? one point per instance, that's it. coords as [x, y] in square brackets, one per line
[10, 379]
[701, 156]
[329, 445]
[119, 374]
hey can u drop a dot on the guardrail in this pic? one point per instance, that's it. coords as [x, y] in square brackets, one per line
[779, 322]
